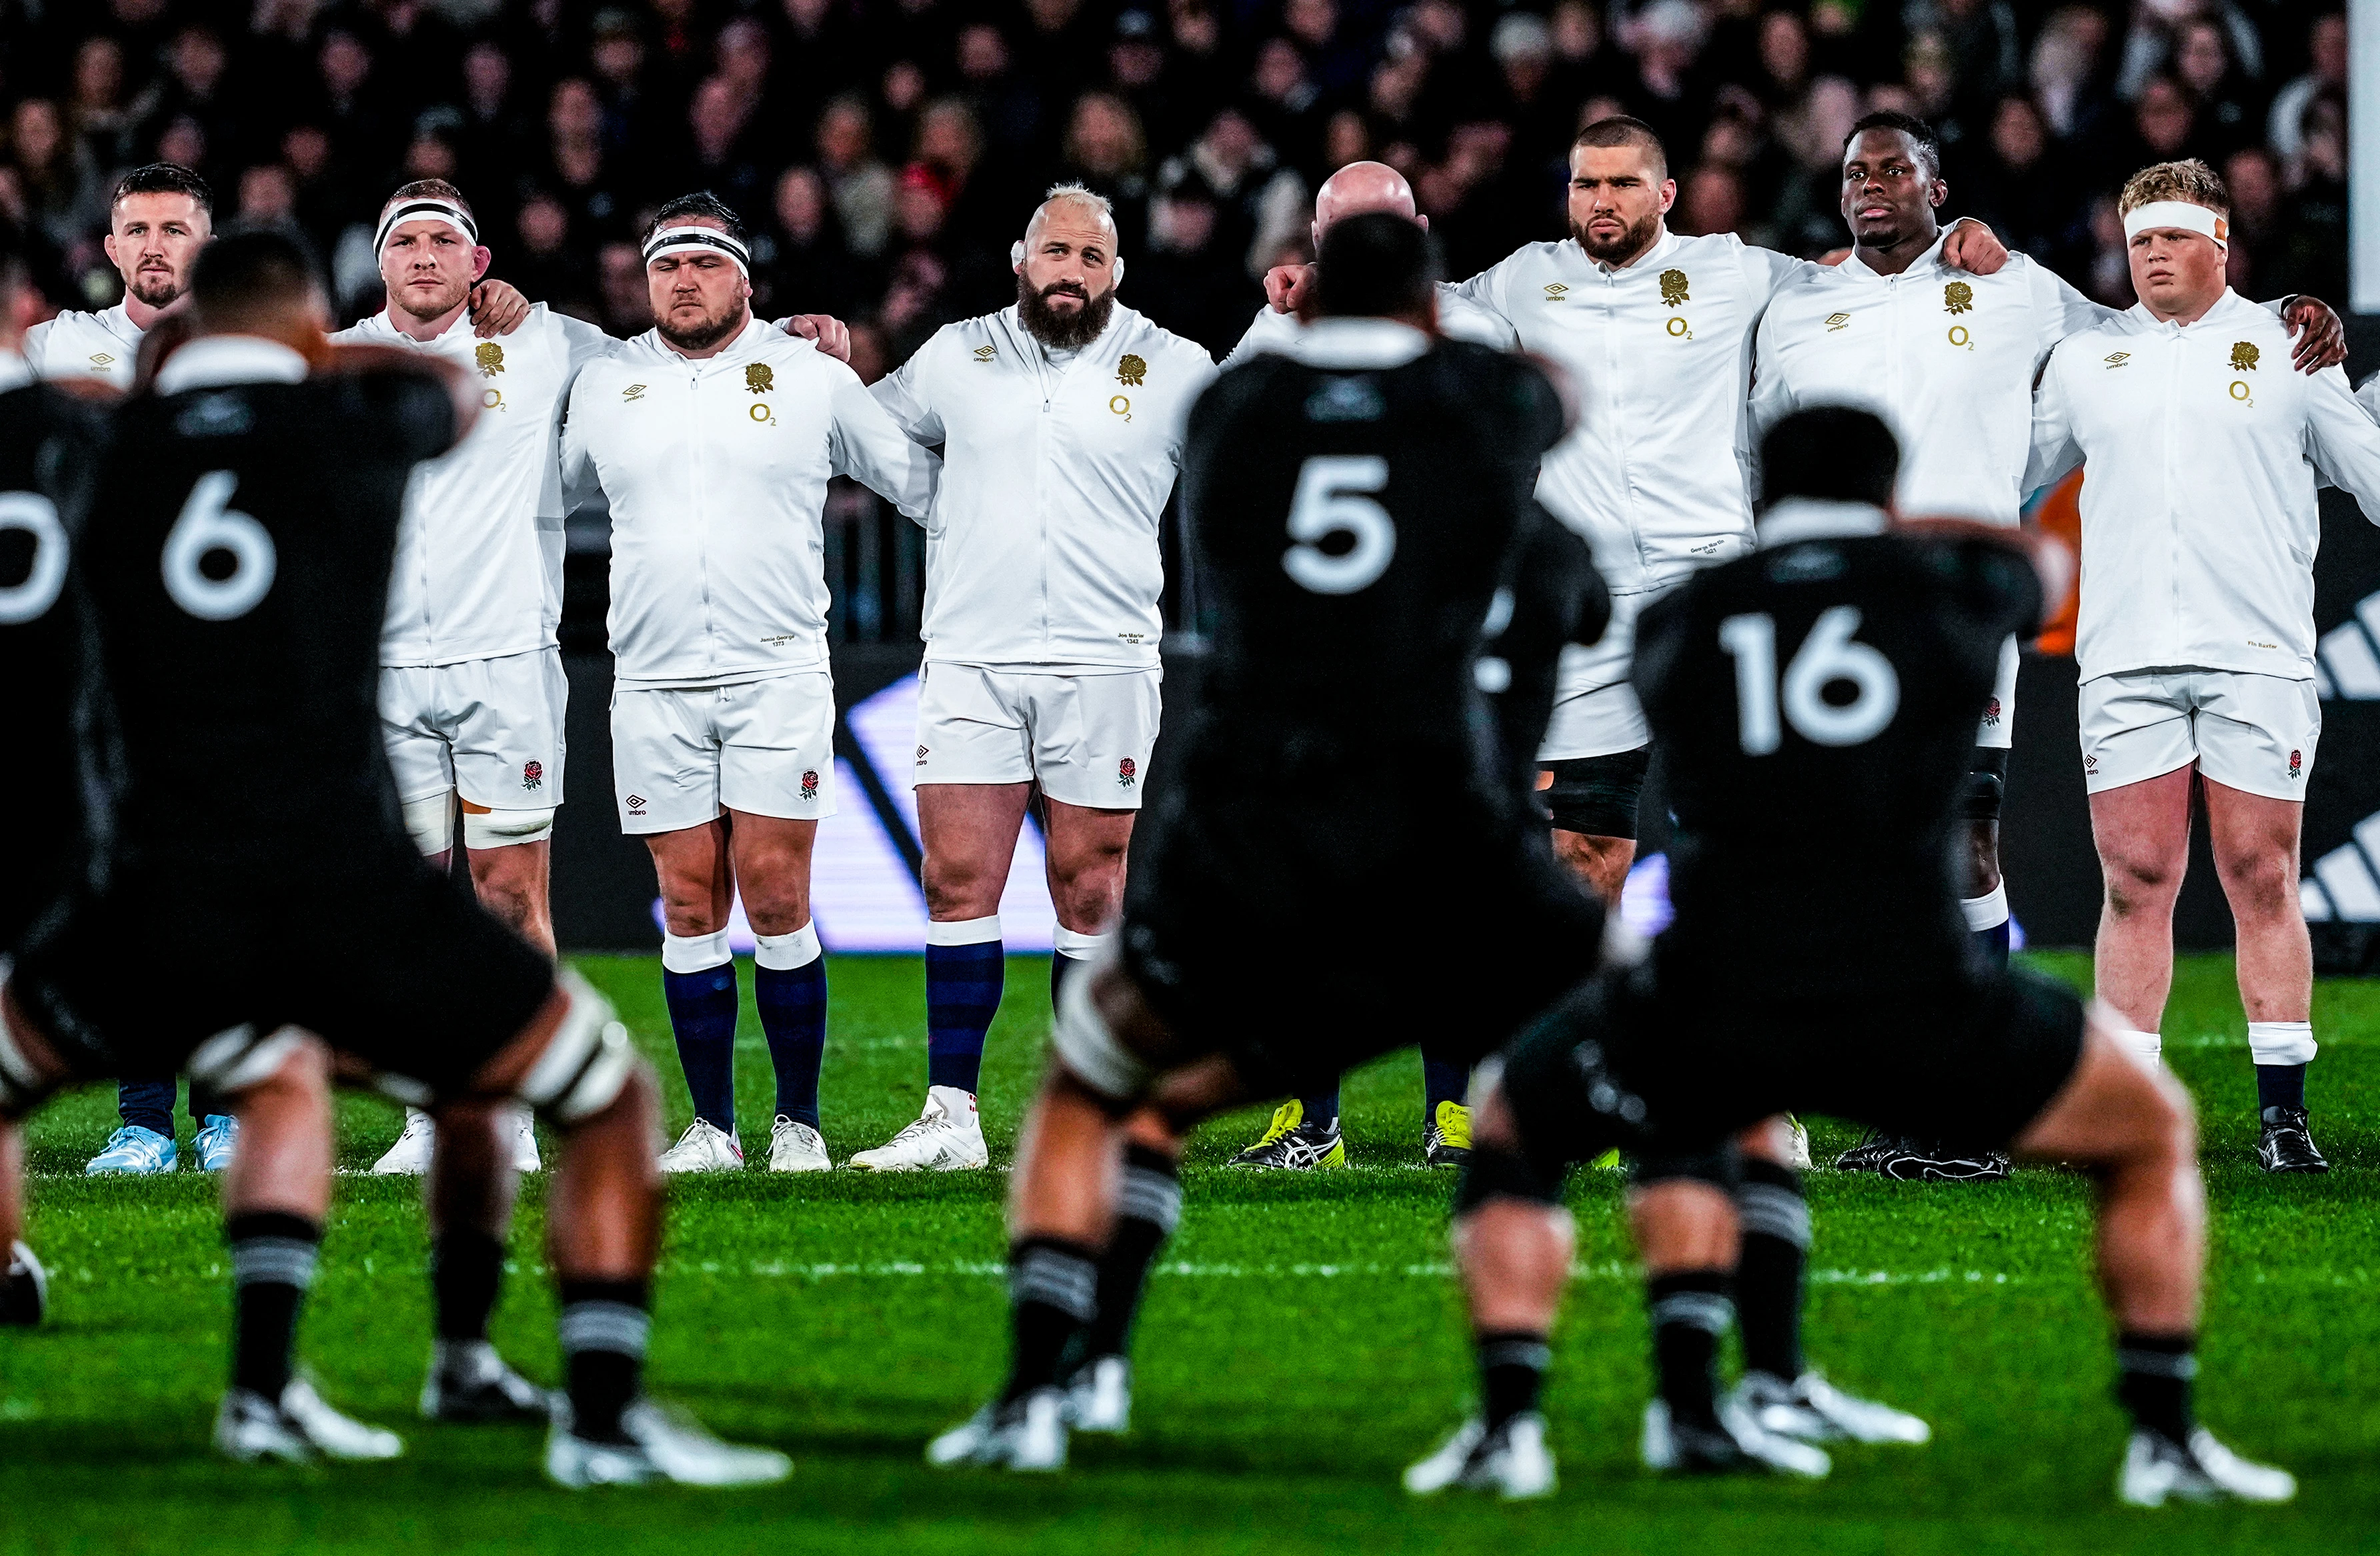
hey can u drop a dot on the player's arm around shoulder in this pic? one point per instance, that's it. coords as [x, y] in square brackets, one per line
[913, 392]
[868, 442]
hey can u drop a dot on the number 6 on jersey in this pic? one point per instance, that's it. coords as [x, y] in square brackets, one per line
[1327, 503]
[208, 523]
[1827, 655]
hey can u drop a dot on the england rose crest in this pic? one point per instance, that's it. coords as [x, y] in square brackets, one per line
[1992, 713]
[2297, 761]
[532, 775]
[1126, 774]
[810, 785]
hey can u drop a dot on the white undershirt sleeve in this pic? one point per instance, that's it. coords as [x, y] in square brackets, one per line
[870, 446]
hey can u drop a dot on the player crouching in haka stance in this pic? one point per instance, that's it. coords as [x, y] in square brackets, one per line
[285, 462]
[1357, 503]
[712, 437]
[1835, 674]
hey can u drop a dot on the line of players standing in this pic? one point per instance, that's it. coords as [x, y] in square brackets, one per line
[1058, 426]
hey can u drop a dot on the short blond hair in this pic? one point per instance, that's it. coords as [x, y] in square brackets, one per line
[2189, 181]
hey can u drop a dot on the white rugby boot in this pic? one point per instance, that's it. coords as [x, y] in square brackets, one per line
[656, 1445]
[2157, 1469]
[946, 1138]
[1741, 1445]
[1099, 1396]
[297, 1429]
[469, 1382]
[795, 1148]
[410, 1156]
[704, 1147]
[1813, 1410]
[525, 1154]
[1028, 1435]
[1513, 1461]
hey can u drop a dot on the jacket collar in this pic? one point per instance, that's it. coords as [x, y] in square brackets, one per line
[1804, 518]
[2224, 306]
[216, 362]
[1930, 259]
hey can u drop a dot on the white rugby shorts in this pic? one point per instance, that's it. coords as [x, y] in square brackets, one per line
[1083, 736]
[2247, 732]
[491, 729]
[1998, 731]
[1595, 712]
[680, 754]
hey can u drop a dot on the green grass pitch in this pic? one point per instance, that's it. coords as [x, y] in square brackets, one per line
[1300, 1346]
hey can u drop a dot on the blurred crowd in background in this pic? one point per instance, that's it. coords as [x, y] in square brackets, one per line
[887, 152]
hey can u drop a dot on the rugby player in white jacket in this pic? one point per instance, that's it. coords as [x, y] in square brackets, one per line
[711, 437]
[2195, 636]
[159, 218]
[471, 688]
[1948, 359]
[1061, 423]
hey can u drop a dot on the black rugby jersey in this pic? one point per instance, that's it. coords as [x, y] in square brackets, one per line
[237, 563]
[1556, 599]
[48, 447]
[1356, 508]
[1816, 704]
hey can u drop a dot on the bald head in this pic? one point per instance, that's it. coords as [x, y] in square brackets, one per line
[1360, 188]
[1075, 209]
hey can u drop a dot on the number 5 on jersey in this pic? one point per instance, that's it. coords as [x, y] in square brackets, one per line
[1330, 501]
[209, 524]
[1827, 655]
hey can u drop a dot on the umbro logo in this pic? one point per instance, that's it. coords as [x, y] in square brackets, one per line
[1556, 290]
[633, 392]
[921, 756]
[635, 805]
[985, 353]
[2119, 358]
[1836, 320]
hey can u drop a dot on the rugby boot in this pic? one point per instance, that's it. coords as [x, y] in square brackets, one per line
[1814, 1410]
[1512, 1461]
[469, 1382]
[946, 1136]
[297, 1429]
[218, 1137]
[2286, 1144]
[1447, 1141]
[655, 1445]
[2157, 1470]
[1026, 1434]
[1737, 1445]
[704, 1147]
[1291, 1144]
[1924, 1161]
[133, 1152]
[795, 1148]
[24, 1288]
[409, 1157]
[1099, 1396]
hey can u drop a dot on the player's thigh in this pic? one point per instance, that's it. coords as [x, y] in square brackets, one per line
[1092, 735]
[2257, 733]
[414, 734]
[2134, 728]
[970, 729]
[776, 747]
[508, 729]
[665, 757]
[2111, 1107]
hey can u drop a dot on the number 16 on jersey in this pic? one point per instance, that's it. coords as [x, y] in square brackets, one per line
[1829, 654]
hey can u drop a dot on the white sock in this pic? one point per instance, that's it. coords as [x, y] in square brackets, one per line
[694, 954]
[2146, 1046]
[2281, 1042]
[1988, 911]
[785, 952]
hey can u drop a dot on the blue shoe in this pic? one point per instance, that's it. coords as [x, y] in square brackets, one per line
[133, 1151]
[217, 1136]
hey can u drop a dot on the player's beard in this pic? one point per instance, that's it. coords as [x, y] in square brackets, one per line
[155, 291]
[710, 332]
[1056, 330]
[1633, 242]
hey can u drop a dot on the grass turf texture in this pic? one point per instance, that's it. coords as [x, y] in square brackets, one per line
[1302, 1345]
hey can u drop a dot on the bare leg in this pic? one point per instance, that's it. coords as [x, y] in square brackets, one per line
[1600, 863]
[514, 882]
[1087, 851]
[2141, 832]
[1514, 1254]
[970, 832]
[2255, 843]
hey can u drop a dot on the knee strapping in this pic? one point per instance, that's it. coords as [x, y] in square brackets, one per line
[587, 1062]
[430, 822]
[503, 829]
[1091, 1051]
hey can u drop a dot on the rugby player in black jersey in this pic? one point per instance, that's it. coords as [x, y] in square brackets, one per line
[1833, 675]
[235, 575]
[1357, 504]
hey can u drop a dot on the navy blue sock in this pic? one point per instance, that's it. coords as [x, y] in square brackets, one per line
[962, 984]
[793, 1014]
[147, 1104]
[702, 1014]
[1994, 942]
[2281, 1086]
[1443, 1079]
[1062, 968]
[1321, 1107]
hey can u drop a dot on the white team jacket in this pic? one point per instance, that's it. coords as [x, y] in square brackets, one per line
[1458, 319]
[716, 474]
[479, 555]
[100, 345]
[1947, 359]
[1042, 547]
[2199, 523]
[1654, 475]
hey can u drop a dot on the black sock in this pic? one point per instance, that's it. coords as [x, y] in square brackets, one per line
[272, 1258]
[1690, 1310]
[1768, 1272]
[1320, 1108]
[1445, 1077]
[604, 1327]
[467, 1271]
[1511, 1372]
[1052, 1295]
[1061, 968]
[2153, 1381]
[2281, 1086]
[1145, 1217]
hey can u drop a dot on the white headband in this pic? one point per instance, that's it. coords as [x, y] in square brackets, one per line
[2177, 213]
[444, 211]
[675, 240]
